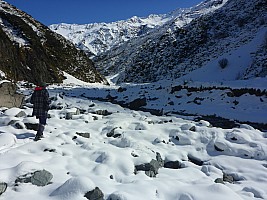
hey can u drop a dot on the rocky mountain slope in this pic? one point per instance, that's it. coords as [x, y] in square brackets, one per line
[236, 31]
[30, 51]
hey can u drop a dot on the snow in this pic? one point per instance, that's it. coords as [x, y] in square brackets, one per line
[239, 60]
[80, 164]
[247, 107]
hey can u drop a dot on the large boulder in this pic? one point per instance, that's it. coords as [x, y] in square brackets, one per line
[151, 168]
[9, 96]
[39, 178]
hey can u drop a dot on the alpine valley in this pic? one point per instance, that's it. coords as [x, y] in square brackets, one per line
[164, 107]
[201, 55]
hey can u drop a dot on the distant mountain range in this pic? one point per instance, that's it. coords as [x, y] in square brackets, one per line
[31, 52]
[97, 38]
[179, 44]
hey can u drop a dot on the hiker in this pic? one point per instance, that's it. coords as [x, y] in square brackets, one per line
[40, 101]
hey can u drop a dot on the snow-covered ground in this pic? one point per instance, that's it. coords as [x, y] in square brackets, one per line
[118, 142]
[207, 98]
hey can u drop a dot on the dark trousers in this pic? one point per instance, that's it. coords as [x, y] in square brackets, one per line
[42, 123]
[42, 120]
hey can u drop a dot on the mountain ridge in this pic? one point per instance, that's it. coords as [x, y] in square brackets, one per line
[97, 38]
[173, 52]
[30, 51]
[195, 38]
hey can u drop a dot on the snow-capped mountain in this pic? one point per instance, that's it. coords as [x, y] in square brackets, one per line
[30, 51]
[235, 32]
[100, 37]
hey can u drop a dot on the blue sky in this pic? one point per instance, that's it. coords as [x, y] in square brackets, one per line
[90, 11]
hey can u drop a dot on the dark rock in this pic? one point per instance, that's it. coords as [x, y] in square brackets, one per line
[50, 150]
[85, 135]
[117, 135]
[234, 138]
[69, 115]
[111, 98]
[3, 187]
[111, 133]
[95, 194]
[74, 137]
[217, 148]
[12, 122]
[19, 125]
[21, 114]
[228, 178]
[41, 178]
[56, 107]
[103, 112]
[116, 196]
[134, 155]
[195, 160]
[151, 169]
[159, 159]
[31, 126]
[173, 165]
[95, 118]
[120, 89]
[193, 128]
[219, 180]
[137, 103]
[171, 103]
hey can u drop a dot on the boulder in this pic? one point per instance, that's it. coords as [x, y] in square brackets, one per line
[137, 103]
[39, 178]
[228, 178]
[219, 180]
[173, 165]
[117, 196]
[9, 96]
[71, 112]
[95, 194]
[151, 169]
[195, 160]
[159, 159]
[32, 126]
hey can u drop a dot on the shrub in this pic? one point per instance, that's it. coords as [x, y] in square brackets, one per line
[223, 63]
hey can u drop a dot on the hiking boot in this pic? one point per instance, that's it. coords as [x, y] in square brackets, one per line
[37, 137]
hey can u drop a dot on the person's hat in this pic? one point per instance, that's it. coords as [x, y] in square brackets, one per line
[42, 84]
